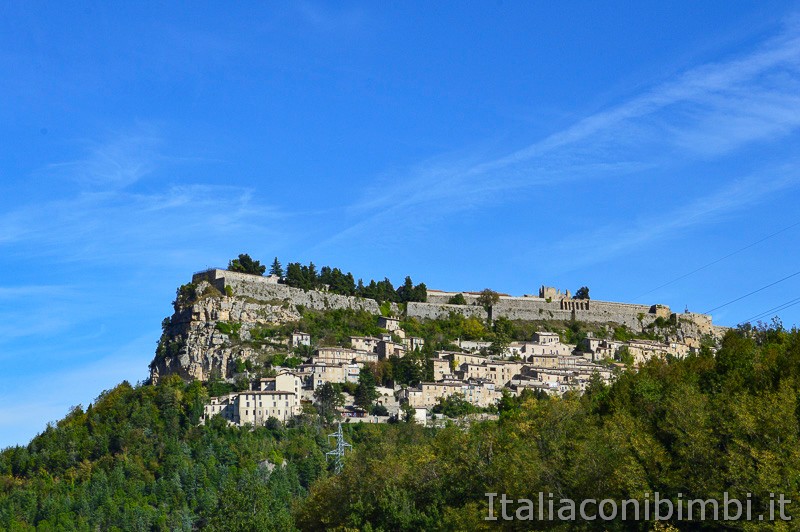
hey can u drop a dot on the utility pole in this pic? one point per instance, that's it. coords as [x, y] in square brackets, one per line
[341, 447]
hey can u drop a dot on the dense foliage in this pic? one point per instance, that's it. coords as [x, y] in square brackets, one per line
[336, 281]
[699, 427]
[245, 264]
[137, 460]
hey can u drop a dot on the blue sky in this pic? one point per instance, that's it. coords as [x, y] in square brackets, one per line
[499, 144]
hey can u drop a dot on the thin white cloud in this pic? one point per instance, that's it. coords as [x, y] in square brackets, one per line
[26, 291]
[614, 239]
[708, 111]
[108, 217]
[330, 18]
[117, 162]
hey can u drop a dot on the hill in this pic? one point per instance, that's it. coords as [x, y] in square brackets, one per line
[699, 427]
[724, 418]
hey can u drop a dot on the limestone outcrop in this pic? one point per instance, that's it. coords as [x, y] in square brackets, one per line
[194, 346]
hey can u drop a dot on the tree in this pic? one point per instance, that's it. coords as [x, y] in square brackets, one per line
[406, 292]
[457, 299]
[487, 299]
[454, 406]
[499, 344]
[365, 391]
[327, 399]
[582, 293]
[409, 292]
[245, 264]
[276, 268]
[294, 274]
[379, 410]
[408, 412]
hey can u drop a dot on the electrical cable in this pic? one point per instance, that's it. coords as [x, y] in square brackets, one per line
[751, 293]
[780, 307]
[684, 276]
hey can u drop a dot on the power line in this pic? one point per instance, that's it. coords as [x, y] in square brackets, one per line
[751, 293]
[780, 307]
[684, 276]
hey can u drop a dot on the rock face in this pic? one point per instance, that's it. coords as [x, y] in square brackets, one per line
[193, 346]
[212, 325]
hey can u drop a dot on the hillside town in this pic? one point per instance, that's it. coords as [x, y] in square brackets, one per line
[544, 364]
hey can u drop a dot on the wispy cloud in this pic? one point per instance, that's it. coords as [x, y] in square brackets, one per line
[707, 111]
[109, 215]
[329, 19]
[116, 162]
[15, 292]
[614, 239]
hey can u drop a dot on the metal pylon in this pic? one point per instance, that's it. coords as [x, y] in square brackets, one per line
[341, 447]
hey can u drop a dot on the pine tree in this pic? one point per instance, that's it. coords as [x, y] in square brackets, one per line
[276, 268]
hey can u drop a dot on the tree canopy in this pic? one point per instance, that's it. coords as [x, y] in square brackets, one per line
[245, 264]
[276, 268]
[581, 293]
[338, 282]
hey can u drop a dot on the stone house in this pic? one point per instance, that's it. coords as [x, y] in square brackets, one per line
[224, 405]
[414, 343]
[542, 361]
[335, 355]
[255, 407]
[473, 346]
[365, 343]
[546, 338]
[390, 324]
[389, 349]
[317, 374]
[461, 358]
[299, 338]
[441, 369]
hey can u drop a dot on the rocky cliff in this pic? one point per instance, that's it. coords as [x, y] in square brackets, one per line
[207, 334]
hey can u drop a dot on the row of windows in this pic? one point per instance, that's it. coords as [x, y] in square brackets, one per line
[274, 403]
[261, 412]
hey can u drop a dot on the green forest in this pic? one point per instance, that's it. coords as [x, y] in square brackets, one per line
[137, 459]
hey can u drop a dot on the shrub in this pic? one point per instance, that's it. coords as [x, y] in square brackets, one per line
[457, 299]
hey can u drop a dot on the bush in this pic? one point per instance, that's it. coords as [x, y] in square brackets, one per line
[379, 410]
[229, 328]
[457, 299]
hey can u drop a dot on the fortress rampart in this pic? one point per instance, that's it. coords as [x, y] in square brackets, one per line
[266, 289]
[528, 308]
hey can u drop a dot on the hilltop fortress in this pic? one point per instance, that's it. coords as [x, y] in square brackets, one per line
[229, 325]
[549, 304]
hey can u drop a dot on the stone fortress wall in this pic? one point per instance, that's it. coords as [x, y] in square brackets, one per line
[551, 304]
[267, 289]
